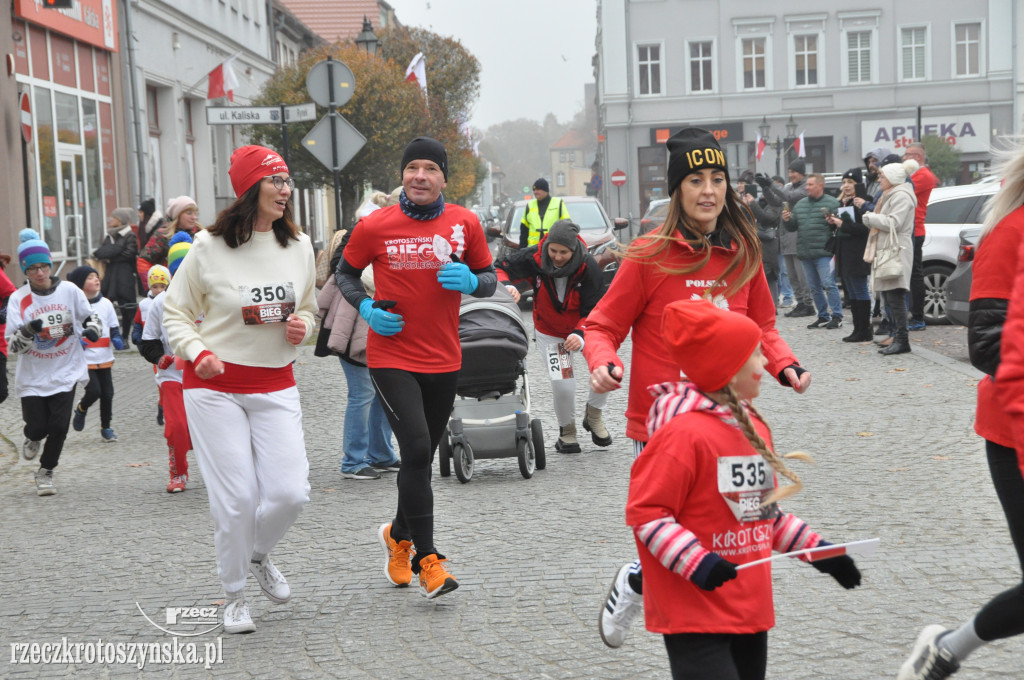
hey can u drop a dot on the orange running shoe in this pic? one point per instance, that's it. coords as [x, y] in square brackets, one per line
[398, 557]
[434, 578]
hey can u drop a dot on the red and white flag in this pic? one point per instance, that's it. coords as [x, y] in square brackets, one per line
[222, 81]
[417, 71]
[761, 144]
[799, 147]
[864, 548]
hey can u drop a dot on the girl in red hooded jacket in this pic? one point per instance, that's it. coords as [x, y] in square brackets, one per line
[703, 501]
[706, 248]
[567, 283]
[995, 339]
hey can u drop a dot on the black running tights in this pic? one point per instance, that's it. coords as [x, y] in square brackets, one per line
[100, 388]
[48, 417]
[717, 656]
[417, 406]
[1003, 616]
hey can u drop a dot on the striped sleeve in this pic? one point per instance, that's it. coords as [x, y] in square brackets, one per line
[672, 544]
[792, 533]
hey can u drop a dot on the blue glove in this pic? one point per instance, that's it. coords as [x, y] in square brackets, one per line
[117, 341]
[91, 335]
[457, 276]
[382, 322]
[713, 571]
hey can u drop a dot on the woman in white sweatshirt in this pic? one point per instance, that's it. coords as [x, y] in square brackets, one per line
[250, 279]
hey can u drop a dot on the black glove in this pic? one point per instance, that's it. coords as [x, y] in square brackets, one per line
[91, 335]
[764, 181]
[31, 329]
[713, 571]
[842, 569]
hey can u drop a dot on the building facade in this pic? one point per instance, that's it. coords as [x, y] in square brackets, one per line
[849, 76]
[67, 164]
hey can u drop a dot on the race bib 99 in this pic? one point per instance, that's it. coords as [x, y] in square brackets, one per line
[269, 303]
[744, 481]
[56, 325]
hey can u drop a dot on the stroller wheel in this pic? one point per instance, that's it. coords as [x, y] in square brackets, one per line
[537, 437]
[444, 454]
[527, 460]
[462, 457]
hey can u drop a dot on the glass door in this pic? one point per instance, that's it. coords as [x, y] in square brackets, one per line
[72, 210]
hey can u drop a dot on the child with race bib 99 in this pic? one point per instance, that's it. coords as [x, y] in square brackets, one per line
[702, 501]
[567, 283]
[98, 355]
[44, 319]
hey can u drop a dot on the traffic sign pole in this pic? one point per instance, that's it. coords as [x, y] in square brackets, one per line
[335, 170]
[284, 137]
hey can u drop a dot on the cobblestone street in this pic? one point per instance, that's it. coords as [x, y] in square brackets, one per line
[896, 458]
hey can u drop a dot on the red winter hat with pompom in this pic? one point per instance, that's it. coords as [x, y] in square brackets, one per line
[250, 164]
[708, 343]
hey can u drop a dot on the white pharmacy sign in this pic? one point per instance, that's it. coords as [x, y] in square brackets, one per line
[967, 133]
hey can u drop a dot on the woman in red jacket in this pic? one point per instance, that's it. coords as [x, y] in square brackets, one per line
[995, 339]
[706, 248]
[567, 283]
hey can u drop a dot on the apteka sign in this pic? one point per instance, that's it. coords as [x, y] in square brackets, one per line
[965, 133]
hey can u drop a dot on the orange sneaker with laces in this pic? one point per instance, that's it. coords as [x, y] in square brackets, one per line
[434, 578]
[397, 557]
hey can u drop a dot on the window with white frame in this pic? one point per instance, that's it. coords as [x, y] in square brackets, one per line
[967, 39]
[649, 64]
[858, 56]
[913, 47]
[805, 54]
[753, 63]
[701, 66]
[560, 179]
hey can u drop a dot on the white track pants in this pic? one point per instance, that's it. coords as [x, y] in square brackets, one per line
[252, 455]
[563, 392]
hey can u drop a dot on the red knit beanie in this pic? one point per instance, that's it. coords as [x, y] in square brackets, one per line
[250, 164]
[709, 344]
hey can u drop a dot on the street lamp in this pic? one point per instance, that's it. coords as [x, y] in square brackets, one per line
[778, 145]
[367, 39]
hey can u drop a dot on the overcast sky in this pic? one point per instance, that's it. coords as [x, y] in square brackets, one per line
[534, 54]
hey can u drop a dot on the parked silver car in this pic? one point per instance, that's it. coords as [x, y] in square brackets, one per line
[958, 285]
[950, 210]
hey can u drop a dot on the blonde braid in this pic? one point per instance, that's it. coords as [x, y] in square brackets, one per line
[732, 400]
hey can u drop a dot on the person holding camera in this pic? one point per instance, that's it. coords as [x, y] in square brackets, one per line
[808, 220]
[786, 196]
[851, 238]
[767, 217]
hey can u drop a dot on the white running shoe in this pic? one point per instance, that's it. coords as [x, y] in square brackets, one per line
[928, 661]
[621, 606]
[274, 585]
[236, 617]
[44, 482]
[30, 449]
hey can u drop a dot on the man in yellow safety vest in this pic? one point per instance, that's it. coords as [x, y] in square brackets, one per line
[541, 213]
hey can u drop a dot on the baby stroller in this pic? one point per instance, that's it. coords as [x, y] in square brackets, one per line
[491, 415]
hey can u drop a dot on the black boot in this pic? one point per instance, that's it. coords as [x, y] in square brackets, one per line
[861, 312]
[884, 328]
[900, 344]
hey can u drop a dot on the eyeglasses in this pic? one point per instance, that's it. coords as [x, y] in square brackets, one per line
[37, 267]
[280, 182]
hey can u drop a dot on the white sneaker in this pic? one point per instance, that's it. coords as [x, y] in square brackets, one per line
[621, 606]
[236, 617]
[30, 449]
[928, 661]
[44, 482]
[274, 585]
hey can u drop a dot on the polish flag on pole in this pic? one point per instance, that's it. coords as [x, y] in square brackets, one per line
[761, 144]
[222, 81]
[799, 147]
[864, 548]
[417, 71]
